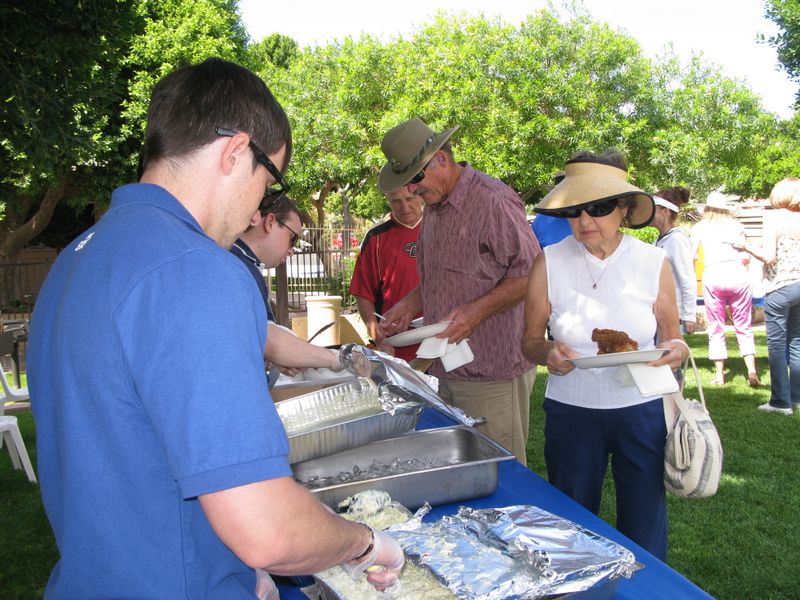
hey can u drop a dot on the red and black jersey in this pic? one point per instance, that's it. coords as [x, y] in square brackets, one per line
[386, 269]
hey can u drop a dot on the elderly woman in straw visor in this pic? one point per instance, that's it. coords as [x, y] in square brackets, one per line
[601, 278]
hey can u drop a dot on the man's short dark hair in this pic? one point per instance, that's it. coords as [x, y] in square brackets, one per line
[189, 104]
[280, 205]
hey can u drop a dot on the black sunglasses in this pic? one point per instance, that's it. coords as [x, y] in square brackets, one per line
[261, 158]
[595, 209]
[295, 234]
[421, 175]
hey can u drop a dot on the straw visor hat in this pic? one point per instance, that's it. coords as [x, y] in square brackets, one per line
[408, 147]
[589, 181]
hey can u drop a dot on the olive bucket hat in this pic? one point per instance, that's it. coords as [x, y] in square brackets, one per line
[588, 181]
[408, 148]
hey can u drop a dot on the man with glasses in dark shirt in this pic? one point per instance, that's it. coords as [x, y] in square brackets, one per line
[269, 240]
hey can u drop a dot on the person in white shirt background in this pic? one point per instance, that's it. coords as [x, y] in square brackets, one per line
[678, 246]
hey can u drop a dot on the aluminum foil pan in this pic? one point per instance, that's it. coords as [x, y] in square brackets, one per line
[513, 553]
[397, 377]
[439, 466]
[344, 416]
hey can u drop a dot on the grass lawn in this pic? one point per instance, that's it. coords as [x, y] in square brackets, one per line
[740, 544]
[743, 542]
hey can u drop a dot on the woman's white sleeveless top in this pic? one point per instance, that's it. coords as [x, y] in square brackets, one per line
[624, 299]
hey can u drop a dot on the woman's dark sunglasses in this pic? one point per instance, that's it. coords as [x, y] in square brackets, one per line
[595, 209]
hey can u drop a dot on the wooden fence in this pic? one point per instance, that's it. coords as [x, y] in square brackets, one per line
[20, 284]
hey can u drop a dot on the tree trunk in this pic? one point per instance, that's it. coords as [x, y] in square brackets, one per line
[319, 204]
[16, 238]
[347, 220]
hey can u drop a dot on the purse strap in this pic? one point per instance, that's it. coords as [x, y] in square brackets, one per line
[685, 367]
[675, 403]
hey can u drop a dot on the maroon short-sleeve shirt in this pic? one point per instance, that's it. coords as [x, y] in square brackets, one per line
[470, 241]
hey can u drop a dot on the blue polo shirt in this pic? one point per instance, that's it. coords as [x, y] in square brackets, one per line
[146, 373]
[550, 230]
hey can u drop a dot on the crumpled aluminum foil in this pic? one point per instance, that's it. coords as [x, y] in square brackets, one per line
[513, 552]
[397, 377]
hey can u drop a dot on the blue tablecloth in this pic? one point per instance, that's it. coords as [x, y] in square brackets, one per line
[518, 485]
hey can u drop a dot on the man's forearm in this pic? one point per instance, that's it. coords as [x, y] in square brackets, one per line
[279, 526]
[288, 350]
[366, 308]
[506, 294]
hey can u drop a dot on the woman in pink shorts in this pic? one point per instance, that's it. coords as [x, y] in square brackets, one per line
[725, 283]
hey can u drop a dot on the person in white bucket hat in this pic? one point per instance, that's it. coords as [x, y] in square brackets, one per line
[726, 283]
[473, 255]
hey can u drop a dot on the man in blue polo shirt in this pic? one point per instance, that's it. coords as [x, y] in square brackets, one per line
[163, 464]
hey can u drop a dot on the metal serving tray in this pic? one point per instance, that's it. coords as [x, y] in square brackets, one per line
[349, 430]
[474, 475]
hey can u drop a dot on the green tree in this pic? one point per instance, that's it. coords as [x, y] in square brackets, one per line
[704, 130]
[276, 49]
[527, 97]
[780, 158]
[786, 15]
[81, 75]
[60, 66]
[335, 97]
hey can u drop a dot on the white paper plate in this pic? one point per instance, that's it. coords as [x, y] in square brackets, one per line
[415, 336]
[618, 358]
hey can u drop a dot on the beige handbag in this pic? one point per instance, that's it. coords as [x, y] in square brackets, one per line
[693, 452]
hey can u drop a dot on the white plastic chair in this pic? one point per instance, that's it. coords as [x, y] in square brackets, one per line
[13, 398]
[13, 394]
[9, 431]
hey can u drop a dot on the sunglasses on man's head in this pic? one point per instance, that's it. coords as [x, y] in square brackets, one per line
[262, 159]
[595, 209]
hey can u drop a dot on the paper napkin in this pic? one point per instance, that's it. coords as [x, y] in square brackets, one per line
[651, 381]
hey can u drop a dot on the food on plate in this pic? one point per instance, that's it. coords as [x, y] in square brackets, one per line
[610, 341]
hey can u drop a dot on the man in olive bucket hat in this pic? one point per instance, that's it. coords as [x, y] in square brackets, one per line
[473, 255]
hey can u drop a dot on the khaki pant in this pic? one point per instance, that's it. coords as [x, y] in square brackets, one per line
[506, 406]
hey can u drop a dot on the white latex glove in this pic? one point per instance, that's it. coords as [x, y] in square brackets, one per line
[265, 587]
[336, 363]
[385, 553]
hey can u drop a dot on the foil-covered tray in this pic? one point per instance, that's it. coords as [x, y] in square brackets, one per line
[343, 416]
[512, 553]
[437, 466]
[516, 552]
